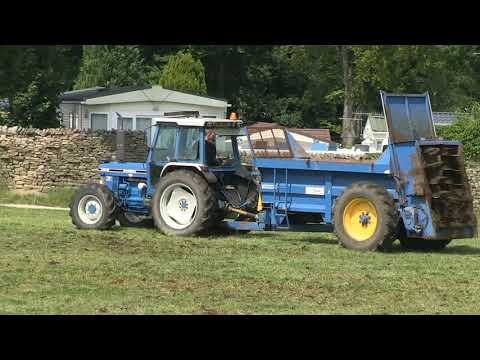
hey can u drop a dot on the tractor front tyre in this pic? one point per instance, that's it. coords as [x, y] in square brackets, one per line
[93, 207]
[366, 218]
[129, 219]
[184, 204]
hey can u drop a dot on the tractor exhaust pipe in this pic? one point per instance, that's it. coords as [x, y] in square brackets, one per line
[120, 140]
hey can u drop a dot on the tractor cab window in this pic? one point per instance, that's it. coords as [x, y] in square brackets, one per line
[188, 143]
[224, 146]
[221, 148]
[164, 148]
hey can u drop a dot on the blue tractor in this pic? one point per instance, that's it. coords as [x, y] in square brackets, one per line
[197, 178]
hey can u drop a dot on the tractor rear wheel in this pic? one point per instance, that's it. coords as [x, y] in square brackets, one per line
[184, 204]
[93, 207]
[129, 219]
[365, 218]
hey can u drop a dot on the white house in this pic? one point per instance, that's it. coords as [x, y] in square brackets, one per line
[97, 108]
[375, 133]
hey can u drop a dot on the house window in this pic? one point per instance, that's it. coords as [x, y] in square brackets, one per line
[379, 145]
[143, 123]
[99, 121]
[125, 123]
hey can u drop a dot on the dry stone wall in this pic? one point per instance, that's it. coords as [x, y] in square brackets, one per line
[33, 159]
[473, 173]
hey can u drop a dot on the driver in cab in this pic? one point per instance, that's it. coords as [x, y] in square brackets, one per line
[210, 148]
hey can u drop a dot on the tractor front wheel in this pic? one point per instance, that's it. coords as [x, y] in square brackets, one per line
[365, 218]
[93, 207]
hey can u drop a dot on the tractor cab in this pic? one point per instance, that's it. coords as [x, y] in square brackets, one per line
[207, 146]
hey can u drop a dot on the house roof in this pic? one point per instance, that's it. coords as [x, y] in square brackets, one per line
[154, 94]
[84, 94]
[446, 118]
[103, 95]
[259, 126]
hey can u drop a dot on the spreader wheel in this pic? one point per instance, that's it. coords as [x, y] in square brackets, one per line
[365, 217]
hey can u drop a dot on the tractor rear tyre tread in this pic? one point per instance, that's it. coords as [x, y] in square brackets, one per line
[105, 196]
[206, 203]
[388, 217]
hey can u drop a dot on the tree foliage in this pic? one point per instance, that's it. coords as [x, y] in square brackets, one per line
[111, 66]
[299, 85]
[182, 72]
[32, 79]
[465, 129]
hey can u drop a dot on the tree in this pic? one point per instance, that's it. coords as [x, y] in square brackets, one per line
[295, 85]
[111, 66]
[466, 129]
[35, 77]
[446, 72]
[348, 129]
[182, 72]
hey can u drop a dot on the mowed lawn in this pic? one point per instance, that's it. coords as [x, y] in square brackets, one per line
[49, 267]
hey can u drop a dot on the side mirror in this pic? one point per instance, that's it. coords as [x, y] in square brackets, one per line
[148, 137]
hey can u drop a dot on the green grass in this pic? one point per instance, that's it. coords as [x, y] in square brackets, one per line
[54, 197]
[49, 267]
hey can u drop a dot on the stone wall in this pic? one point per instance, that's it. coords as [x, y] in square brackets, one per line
[32, 159]
[473, 173]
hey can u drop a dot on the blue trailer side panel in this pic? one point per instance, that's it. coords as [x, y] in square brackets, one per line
[307, 186]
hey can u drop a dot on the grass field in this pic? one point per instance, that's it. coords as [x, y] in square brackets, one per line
[55, 197]
[49, 267]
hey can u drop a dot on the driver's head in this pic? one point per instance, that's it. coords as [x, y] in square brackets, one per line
[210, 136]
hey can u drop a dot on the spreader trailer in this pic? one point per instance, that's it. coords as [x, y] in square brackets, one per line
[416, 191]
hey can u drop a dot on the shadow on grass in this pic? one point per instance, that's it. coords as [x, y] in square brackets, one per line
[450, 250]
[239, 234]
[460, 250]
[320, 238]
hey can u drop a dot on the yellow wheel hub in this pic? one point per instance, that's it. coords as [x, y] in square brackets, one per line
[360, 219]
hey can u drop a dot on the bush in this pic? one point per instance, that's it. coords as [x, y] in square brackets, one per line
[467, 130]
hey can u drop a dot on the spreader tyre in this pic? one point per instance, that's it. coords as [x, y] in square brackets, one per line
[365, 218]
[93, 207]
[184, 204]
